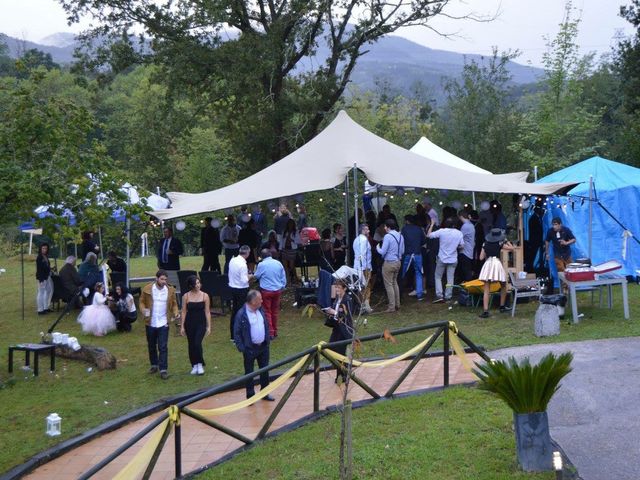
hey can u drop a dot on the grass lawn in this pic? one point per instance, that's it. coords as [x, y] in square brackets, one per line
[449, 443]
[86, 399]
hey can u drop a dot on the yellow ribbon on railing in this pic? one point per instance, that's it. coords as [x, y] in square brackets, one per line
[139, 463]
[261, 394]
[458, 348]
[378, 363]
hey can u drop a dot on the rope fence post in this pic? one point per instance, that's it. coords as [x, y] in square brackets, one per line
[177, 434]
[316, 382]
[446, 349]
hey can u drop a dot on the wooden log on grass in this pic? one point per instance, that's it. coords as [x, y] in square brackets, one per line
[98, 356]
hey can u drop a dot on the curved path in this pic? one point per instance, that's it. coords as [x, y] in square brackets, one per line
[203, 445]
[594, 416]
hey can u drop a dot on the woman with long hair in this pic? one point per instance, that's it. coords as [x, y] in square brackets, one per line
[45, 283]
[125, 308]
[340, 319]
[272, 244]
[289, 250]
[196, 322]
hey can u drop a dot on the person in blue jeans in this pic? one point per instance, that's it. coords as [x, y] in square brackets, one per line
[159, 306]
[414, 238]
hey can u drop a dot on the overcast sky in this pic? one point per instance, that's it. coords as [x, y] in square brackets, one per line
[521, 24]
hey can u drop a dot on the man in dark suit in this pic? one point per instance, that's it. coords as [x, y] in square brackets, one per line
[251, 336]
[211, 246]
[169, 251]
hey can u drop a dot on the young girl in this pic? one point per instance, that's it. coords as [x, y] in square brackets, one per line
[492, 270]
[96, 318]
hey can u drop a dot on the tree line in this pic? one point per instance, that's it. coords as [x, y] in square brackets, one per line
[193, 107]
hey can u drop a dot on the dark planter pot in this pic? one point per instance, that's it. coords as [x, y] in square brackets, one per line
[533, 442]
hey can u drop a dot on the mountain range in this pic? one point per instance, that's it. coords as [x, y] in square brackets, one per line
[393, 60]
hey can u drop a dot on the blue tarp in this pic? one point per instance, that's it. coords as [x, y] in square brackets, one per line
[617, 189]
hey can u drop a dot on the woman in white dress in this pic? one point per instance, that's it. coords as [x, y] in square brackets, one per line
[96, 318]
[492, 270]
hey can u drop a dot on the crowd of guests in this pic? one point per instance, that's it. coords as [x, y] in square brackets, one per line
[429, 250]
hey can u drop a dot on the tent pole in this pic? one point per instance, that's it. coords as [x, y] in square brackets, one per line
[355, 202]
[473, 199]
[22, 270]
[590, 215]
[100, 240]
[30, 242]
[535, 173]
[346, 213]
[128, 227]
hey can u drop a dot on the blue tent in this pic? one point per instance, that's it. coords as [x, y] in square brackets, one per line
[616, 191]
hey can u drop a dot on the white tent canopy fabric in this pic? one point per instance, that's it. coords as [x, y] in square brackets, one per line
[324, 161]
[426, 148]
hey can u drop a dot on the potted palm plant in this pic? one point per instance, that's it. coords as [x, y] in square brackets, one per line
[527, 389]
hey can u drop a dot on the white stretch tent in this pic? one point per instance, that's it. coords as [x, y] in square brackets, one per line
[324, 162]
[426, 148]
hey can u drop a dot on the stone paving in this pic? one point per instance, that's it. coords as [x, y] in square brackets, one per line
[202, 445]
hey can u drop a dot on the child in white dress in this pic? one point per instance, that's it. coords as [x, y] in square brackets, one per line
[96, 318]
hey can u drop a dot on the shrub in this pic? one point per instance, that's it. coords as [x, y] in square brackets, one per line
[524, 387]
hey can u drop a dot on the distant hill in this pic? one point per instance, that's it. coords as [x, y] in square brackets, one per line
[394, 60]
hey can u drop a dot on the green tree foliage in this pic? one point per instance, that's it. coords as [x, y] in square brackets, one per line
[140, 127]
[204, 161]
[48, 158]
[276, 75]
[481, 118]
[7, 64]
[560, 129]
[626, 66]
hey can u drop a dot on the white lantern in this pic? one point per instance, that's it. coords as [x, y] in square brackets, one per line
[54, 425]
[457, 204]
[215, 223]
[57, 338]
[485, 205]
[245, 217]
[180, 225]
[64, 338]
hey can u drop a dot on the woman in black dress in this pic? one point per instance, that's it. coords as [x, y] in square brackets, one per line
[196, 322]
[45, 283]
[341, 321]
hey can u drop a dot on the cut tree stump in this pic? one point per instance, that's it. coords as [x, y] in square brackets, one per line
[97, 356]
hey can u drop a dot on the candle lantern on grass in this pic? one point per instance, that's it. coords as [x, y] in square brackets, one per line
[54, 427]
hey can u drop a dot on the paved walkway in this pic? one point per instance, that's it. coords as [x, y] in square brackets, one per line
[203, 445]
[594, 415]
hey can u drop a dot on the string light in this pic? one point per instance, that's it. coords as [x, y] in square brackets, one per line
[391, 197]
[320, 200]
[441, 203]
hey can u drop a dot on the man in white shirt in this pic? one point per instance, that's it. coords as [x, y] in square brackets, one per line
[238, 282]
[362, 264]
[450, 241]
[158, 304]
[251, 336]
